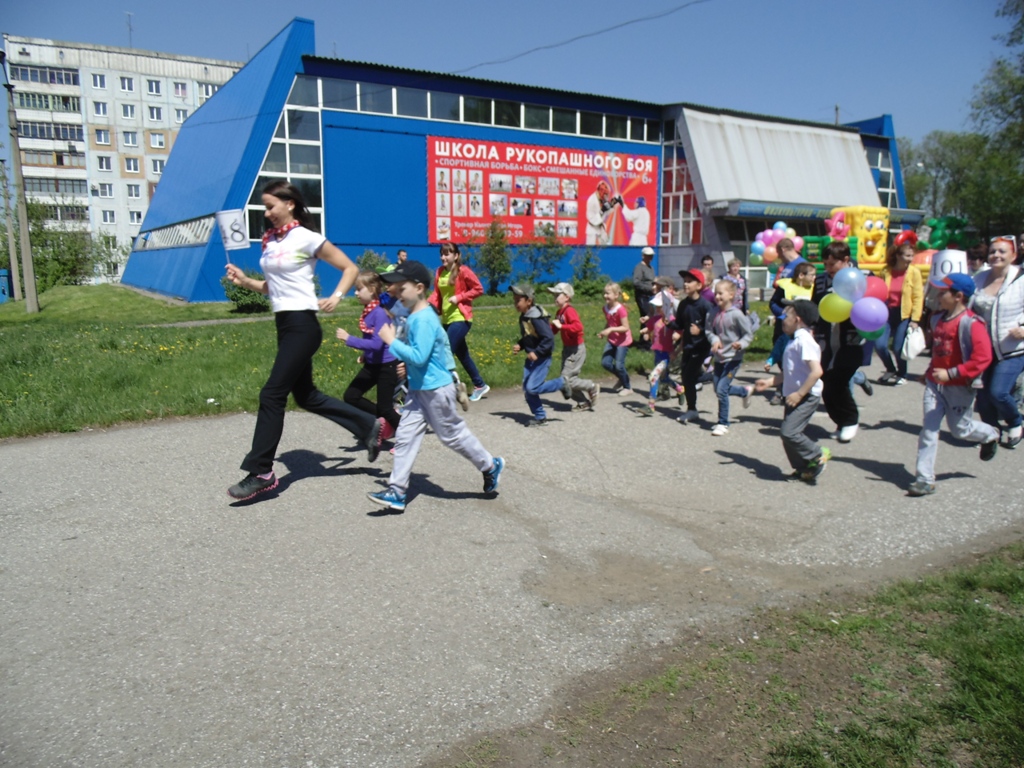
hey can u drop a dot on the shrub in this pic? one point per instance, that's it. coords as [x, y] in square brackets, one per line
[246, 301]
[373, 261]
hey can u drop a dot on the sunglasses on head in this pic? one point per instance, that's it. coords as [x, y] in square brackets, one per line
[1011, 239]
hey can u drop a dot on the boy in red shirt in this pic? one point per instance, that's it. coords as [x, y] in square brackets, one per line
[568, 325]
[961, 351]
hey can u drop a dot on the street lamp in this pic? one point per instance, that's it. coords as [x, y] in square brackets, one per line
[27, 268]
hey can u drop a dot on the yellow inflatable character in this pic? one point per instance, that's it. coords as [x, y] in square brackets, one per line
[870, 225]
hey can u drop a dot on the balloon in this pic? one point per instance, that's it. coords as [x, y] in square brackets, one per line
[871, 335]
[869, 314]
[876, 289]
[759, 236]
[779, 225]
[770, 254]
[850, 283]
[790, 233]
[755, 260]
[773, 267]
[757, 247]
[798, 243]
[834, 308]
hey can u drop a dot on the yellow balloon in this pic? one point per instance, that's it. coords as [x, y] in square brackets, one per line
[834, 308]
[790, 233]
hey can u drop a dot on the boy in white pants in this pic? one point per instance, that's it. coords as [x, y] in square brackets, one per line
[432, 395]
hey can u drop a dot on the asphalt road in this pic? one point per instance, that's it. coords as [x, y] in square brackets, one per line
[149, 621]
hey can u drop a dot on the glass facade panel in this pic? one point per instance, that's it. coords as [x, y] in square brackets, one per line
[636, 128]
[374, 97]
[304, 92]
[411, 102]
[563, 120]
[304, 126]
[591, 124]
[339, 94]
[538, 118]
[444, 106]
[654, 130]
[615, 127]
[507, 113]
[476, 110]
[310, 189]
[257, 192]
[304, 158]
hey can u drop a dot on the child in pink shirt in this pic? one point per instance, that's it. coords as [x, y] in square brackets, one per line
[617, 337]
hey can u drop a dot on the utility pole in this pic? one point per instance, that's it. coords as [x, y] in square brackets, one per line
[27, 268]
[12, 250]
[129, 14]
[837, 114]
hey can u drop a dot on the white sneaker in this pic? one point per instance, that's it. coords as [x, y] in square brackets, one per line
[846, 434]
[625, 392]
[719, 430]
[746, 397]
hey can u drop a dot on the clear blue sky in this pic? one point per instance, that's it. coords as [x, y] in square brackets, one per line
[915, 59]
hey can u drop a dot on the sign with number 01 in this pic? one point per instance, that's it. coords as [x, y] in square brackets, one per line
[233, 230]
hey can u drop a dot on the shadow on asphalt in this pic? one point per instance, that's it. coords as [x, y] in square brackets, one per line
[762, 469]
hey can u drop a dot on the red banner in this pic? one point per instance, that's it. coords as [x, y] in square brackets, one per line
[586, 197]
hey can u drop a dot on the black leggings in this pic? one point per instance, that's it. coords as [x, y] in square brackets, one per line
[298, 338]
[383, 376]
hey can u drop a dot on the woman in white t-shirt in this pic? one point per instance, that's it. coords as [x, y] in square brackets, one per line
[290, 251]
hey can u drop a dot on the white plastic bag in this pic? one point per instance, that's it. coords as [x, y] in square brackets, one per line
[913, 345]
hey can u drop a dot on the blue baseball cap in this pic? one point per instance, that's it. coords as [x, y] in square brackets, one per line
[958, 281]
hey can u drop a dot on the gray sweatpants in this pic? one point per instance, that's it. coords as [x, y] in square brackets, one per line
[800, 449]
[957, 405]
[437, 408]
[573, 359]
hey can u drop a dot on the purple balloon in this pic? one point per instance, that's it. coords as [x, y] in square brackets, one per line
[869, 314]
[759, 236]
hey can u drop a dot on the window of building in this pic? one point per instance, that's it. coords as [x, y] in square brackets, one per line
[51, 75]
[99, 108]
[53, 131]
[591, 124]
[539, 118]
[681, 222]
[304, 158]
[135, 217]
[109, 217]
[106, 190]
[181, 90]
[99, 81]
[636, 128]
[128, 84]
[33, 100]
[340, 94]
[563, 120]
[476, 110]
[509, 113]
[180, 115]
[156, 141]
[131, 165]
[375, 98]
[654, 131]
[616, 127]
[56, 186]
[158, 166]
[156, 113]
[131, 138]
[303, 93]
[128, 111]
[277, 159]
[303, 126]
[103, 163]
[445, 106]
[206, 90]
[102, 136]
[411, 102]
[134, 191]
[153, 87]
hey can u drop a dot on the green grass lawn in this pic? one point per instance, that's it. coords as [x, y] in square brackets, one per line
[100, 355]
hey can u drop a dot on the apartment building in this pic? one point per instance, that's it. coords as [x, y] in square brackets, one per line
[96, 125]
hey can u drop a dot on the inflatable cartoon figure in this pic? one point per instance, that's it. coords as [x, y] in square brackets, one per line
[837, 226]
[870, 225]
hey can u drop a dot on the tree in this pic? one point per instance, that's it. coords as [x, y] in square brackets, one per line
[63, 252]
[372, 261]
[540, 257]
[491, 257]
[998, 105]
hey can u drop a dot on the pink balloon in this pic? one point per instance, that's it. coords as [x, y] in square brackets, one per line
[876, 289]
[798, 243]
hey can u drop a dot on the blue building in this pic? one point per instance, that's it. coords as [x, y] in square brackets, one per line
[391, 158]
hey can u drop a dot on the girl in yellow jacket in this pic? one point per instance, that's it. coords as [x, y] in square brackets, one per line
[905, 302]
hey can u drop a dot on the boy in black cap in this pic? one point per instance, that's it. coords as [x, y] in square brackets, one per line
[427, 356]
[801, 389]
[961, 351]
[537, 340]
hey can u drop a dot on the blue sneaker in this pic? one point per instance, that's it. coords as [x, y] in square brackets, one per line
[389, 499]
[479, 392]
[493, 475]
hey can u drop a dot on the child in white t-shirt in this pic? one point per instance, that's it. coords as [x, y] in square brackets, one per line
[801, 390]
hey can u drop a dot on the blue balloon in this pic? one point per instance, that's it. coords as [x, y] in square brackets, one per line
[757, 247]
[850, 284]
[779, 225]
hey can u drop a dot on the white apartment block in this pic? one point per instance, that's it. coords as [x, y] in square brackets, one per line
[96, 125]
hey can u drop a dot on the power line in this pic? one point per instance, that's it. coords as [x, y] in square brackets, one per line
[584, 36]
